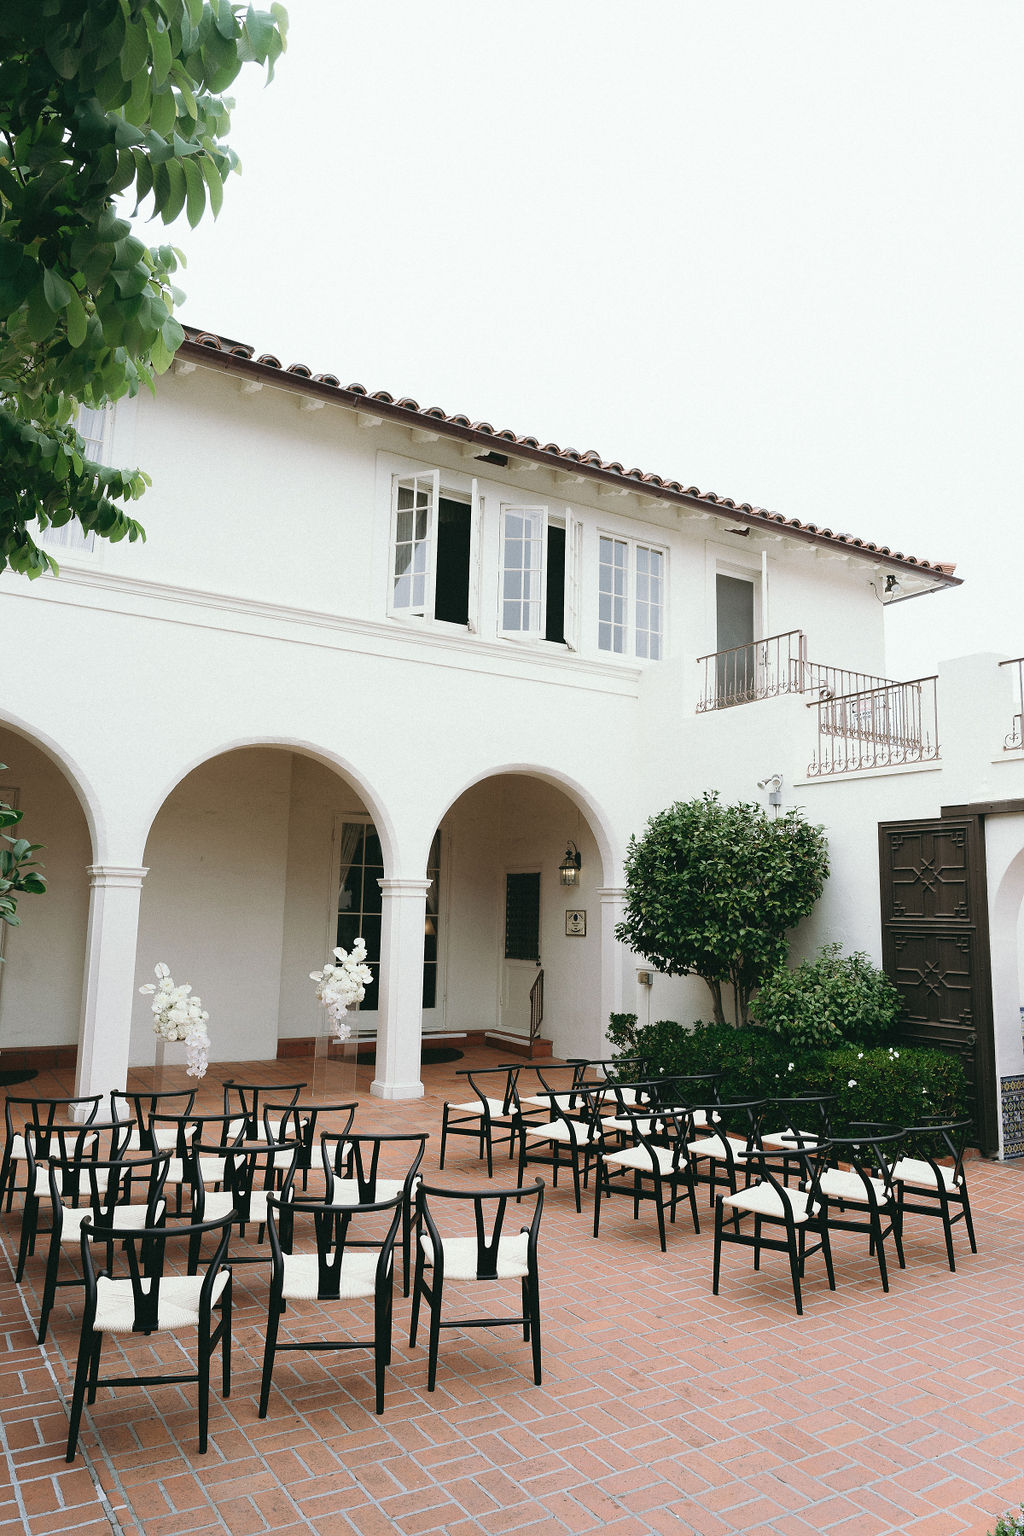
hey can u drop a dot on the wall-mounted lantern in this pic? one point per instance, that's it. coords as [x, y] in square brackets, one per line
[569, 869]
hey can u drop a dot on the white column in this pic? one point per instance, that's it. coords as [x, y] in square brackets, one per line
[614, 957]
[400, 1008]
[114, 896]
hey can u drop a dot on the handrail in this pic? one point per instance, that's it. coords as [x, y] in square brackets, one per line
[877, 728]
[536, 1006]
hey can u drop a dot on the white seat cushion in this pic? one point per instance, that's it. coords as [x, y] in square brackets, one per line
[640, 1157]
[178, 1308]
[222, 1201]
[843, 1184]
[125, 1217]
[17, 1147]
[914, 1170]
[164, 1136]
[561, 1130]
[211, 1170]
[301, 1276]
[496, 1107]
[346, 1191]
[460, 1255]
[714, 1146]
[566, 1101]
[765, 1200]
[641, 1126]
[786, 1141]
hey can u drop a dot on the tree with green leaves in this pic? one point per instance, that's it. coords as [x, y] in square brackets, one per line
[99, 101]
[712, 890]
[19, 871]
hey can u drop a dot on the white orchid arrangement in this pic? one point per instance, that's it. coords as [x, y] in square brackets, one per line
[179, 1015]
[339, 986]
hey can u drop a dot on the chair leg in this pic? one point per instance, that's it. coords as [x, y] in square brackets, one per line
[659, 1206]
[49, 1285]
[757, 1243]
[947, 1229]
[417, 1292]
[534, 1290]
[94, 1366]
[29, 1217]
[485, 1134]
[269, 1351]
[225, 1340]
[968, 1219]
[524, 1287]
[381, 1343]
[599, 1177]
[826, 1253]
[878, 1248]
[434, 1334]
[575, 1163]
[78, 1393]
[794, 1269]
[204, 1391]
[718, 1249]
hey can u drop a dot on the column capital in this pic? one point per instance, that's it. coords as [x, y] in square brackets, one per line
[405, 887]
[125, 875]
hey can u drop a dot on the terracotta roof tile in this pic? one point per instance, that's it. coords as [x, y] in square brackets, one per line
[240, 355]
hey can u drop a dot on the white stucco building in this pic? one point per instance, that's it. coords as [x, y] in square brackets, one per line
[376, 667]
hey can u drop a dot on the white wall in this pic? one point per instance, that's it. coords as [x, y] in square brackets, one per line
[41, 979]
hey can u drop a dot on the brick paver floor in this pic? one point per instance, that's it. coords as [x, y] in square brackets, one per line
[663, 1408]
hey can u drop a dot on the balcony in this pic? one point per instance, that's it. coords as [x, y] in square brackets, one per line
[1013, 741]
[863, 721]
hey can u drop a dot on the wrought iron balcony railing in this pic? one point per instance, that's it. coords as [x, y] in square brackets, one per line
[1013, 741]
[884, 727]
[776, 665]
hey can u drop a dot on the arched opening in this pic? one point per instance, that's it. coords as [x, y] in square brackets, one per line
[1004, 839]
[44, 956]
[499, 916]
[260, 859]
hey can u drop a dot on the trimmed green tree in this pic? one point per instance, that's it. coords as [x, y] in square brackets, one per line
[114, 98]
[712, 890]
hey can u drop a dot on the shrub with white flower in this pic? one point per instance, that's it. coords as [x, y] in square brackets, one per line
[179, 1015]
[339, 986]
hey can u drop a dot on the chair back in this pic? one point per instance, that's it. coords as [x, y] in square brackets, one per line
[686, 1089]
[74, 1150]
[359, 1157]
[191, 1130]
[871, 1150]
[295, 1122]
[489, 1209]
[737, 1119]
[104, 1184]
[139, 1109]
[243, 1099]
[478, 1081]
[19, 1114]
[934, 1138]
[333, 1229]
[802, 1118]
[609, 1068]
[249, 1166]
[145, 1250]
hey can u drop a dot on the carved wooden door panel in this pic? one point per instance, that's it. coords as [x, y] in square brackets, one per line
[935, 945]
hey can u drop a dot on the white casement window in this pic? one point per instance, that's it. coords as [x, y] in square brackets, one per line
[523, 571]
[631, 598]
[414, 544]
[93, 427]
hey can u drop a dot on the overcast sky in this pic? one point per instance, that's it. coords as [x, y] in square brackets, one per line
[768, 247]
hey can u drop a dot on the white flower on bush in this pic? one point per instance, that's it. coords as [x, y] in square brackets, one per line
[852, 1083]
[341, 985]
[791, 1066]
[179, 1015]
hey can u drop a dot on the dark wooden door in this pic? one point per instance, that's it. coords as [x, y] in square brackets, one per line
[935, 945]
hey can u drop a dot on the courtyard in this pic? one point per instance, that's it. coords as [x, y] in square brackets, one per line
[662, 1409]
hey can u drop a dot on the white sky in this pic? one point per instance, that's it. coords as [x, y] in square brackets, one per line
[770, 249]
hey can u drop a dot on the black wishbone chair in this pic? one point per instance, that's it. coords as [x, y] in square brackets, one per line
[557, 1087]
[148, 1301]
[354, 1175]
[339, 1270]
[798, 1121]
[182, 1136]
[776, 1207]
[656, 1167]
[300, 1123]
[563, 1141]
[855, 1183]
[20, 1113]
[692, 1092]
[114, 1194]
[72, 1145]
[140, 1108]
[733, 1136]
[242, 1103]
[492, 1109]
[487, 1255]
[621, 1070]
[252, 1172]
[930, 1181]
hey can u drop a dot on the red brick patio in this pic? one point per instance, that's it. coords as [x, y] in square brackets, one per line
[663, 1409]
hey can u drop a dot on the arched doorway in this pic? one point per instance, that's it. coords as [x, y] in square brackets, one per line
[44, 956]
[501, 925]
[254, 860]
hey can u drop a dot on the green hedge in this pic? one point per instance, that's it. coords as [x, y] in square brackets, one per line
[897, 1083]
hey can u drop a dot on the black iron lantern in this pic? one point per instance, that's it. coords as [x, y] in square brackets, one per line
[569, 869]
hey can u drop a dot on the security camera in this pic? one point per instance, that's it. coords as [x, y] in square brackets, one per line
[774, 779]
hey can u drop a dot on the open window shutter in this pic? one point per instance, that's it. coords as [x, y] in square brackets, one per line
[523, 570]
[475, 574]
[414, 543]
[573, 567]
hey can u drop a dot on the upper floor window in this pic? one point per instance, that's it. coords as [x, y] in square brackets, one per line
[631, 598]
[537, 596]
[432, 531]
[93, 427]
